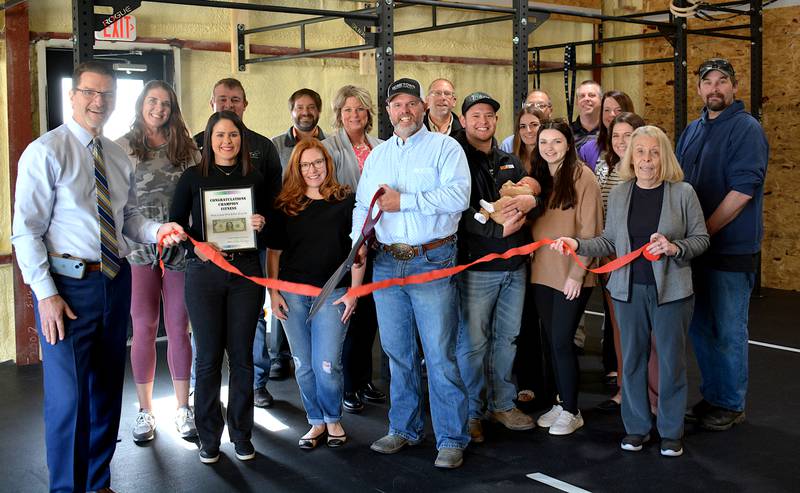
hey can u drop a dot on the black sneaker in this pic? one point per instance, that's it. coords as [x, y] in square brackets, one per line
[244, 450]
[262, 397]
[671, 448]
[279, 370]
[209, 455]
[696, 412]
[634, 443]
[721, 419]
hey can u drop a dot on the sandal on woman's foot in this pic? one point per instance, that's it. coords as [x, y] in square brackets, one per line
[336, 440]
[525, 396]
[310, 443]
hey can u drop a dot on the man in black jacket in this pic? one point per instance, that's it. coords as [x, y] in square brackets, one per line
[229, 95]
[492, 293]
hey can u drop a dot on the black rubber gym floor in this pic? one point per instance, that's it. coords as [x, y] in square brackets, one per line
[759, 455]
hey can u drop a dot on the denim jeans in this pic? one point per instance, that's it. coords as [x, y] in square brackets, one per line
[491, 313]
[640, 321]
[719, 334]
[261, 359]
[431, 311]
[317, 350]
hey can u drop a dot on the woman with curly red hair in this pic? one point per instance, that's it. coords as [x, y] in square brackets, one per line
[309, 239]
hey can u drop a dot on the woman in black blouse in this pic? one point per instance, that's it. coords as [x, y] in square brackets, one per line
[308, 241]
[223, 308]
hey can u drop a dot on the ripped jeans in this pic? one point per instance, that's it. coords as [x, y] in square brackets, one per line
[317, 351]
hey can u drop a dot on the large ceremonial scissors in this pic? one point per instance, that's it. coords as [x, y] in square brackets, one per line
[367, 235]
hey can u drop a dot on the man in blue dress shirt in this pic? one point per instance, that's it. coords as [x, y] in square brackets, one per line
[76, 195]
[427, 185]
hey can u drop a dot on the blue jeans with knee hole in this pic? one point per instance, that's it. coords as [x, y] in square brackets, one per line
[317, 350]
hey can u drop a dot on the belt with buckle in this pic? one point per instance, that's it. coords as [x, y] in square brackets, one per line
[403, 251]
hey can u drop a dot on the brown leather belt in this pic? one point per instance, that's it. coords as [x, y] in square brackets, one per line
[403, 251]
[92, 267]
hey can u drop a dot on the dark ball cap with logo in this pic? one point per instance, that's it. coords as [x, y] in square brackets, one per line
[719, 64]
[478, 97]
[404, 86]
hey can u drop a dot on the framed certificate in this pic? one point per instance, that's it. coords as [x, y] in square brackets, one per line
[226, 217]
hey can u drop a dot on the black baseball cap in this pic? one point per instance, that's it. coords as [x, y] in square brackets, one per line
[404, 86]
[478, 97]
[720, 64]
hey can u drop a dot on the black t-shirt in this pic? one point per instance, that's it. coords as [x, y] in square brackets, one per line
[313, 243]
[186, 203]
[643, 219]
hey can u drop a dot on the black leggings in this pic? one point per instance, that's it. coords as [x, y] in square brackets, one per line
[560, 318]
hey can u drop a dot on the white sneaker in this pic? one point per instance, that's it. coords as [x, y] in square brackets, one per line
[144, 428]
[184, 422]
[547, 419]
[566, 423]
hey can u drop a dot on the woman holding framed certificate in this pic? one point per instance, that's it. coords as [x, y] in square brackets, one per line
[308, 240]
[226, 200]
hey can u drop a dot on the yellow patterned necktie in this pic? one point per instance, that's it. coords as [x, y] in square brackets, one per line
[109, 258]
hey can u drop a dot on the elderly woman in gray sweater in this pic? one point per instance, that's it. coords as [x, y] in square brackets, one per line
[653, 205]
[349, 146]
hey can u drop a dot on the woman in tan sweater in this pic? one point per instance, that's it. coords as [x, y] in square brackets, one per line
[561, 287]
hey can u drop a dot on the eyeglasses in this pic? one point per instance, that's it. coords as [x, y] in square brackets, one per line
[318, 165]
[529, 126]
[91, 93]
[538, 106]
[438, 94]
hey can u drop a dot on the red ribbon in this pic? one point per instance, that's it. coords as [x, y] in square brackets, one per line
[217, 259]
[307, 290]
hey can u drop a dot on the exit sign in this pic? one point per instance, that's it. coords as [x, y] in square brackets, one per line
[124, 29]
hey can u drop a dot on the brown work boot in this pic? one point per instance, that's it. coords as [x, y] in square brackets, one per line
[475, 430]
[513, 419]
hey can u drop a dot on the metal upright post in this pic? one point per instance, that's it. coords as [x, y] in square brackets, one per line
[520, 57]
[756, 79]
[681, 82]
[384, 61]
[83, 21]
[756, 57]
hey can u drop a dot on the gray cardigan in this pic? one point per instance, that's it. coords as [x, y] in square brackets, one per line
[344, 157]
[681, 222]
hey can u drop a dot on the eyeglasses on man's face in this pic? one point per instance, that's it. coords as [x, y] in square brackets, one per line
[447, 94]
[538, 106]
[91, 93]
